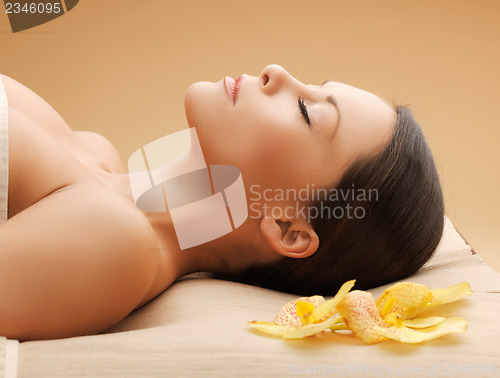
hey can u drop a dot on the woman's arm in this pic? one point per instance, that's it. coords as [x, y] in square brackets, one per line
[74, 263]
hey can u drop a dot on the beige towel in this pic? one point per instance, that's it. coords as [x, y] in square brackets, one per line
[4, 153]
[8, 357]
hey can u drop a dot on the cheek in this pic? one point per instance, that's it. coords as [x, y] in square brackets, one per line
[280, 160]
[270, 148]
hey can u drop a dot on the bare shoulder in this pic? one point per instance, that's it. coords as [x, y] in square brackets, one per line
[18, 93]
[90, 257]
[92, 147]
[6, 78]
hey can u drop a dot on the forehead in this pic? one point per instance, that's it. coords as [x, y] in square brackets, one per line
[366, 121]
[353, 96]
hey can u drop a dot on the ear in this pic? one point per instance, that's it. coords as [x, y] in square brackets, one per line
[290, 237]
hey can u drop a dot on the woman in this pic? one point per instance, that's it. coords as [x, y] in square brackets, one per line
[77, 256]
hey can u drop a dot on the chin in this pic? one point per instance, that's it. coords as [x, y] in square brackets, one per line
[191, 98]
[206, 106]
[199, 99]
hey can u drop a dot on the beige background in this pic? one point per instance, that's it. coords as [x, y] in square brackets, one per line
[120, 68]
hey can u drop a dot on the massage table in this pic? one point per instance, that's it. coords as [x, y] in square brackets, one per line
[198, 328]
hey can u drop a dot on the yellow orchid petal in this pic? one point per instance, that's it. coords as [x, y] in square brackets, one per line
[361, 316]
[339, 326]
[408, 297]
[393, 319]
[423, 322]
[338, 319]
[304, 308]
[309, 329]
[450, 294]
[288, 313]
[328, 308]
[385, 310]
[270, 328]
[407, 335]
[305, 311]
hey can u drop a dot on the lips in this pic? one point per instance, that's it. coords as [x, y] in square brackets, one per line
[232, 87]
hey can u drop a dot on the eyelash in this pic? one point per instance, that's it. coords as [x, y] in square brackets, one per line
[303, 111]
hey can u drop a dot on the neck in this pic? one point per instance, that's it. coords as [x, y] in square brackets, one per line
[181, 262]
[208, 257]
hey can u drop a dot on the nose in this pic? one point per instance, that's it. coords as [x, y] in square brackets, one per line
[274, 77]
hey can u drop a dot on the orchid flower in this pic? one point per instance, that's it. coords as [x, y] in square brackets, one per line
[305, 316]
[392, 316]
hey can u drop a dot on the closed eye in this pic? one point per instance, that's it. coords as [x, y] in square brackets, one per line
[303, 111]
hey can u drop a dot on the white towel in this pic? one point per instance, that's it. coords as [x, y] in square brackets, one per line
[4, 153]
[9, 350]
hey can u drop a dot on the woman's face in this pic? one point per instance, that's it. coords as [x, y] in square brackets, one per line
[275, 141]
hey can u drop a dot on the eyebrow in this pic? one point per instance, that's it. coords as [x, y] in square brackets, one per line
[330, 99]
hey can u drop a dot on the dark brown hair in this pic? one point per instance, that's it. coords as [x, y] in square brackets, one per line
[397, 234]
